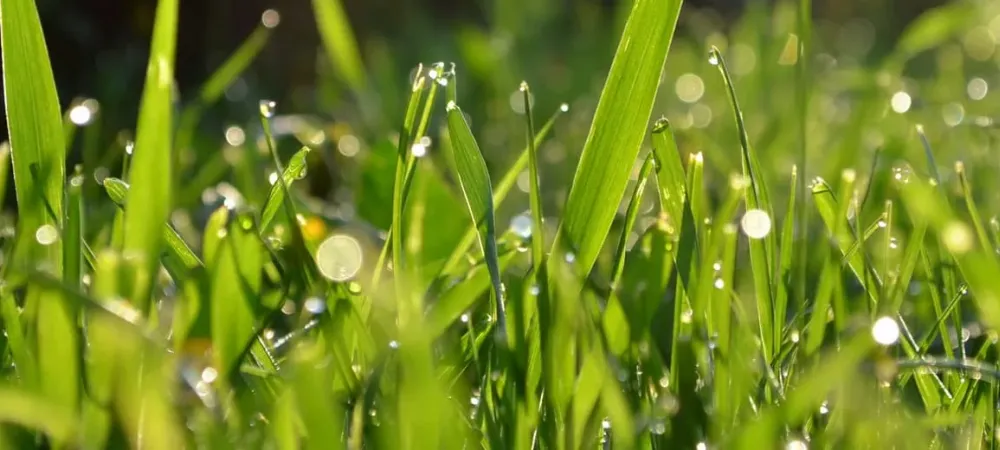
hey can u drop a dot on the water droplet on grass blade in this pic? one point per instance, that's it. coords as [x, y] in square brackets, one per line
[756, 224]
[339, 257]
[270, 18]
[796, 444]
[957, 237]
[713, 56]
[521, 225]
[315, 305]
[267, 108]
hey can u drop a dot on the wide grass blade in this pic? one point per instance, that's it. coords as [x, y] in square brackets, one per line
[473, 176]
[149, 198]
[35, 129]
[21, 407]
[617, 131]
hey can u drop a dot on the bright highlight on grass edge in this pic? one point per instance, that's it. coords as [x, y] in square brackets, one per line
[885, 331]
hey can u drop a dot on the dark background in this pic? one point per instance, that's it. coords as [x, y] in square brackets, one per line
[98, 47]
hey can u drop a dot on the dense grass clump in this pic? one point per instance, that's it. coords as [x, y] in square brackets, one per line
[771, 243]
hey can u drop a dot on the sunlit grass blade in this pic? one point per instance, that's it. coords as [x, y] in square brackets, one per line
[35, 130]
[339, 43]
[670, 175]
[537, 236]
[756, 197]
[452, 303]
[786, 274]
[617, 131]
[500, 191]
[4, 170]
[149, 198]
[833, 212]
[222, 78]
[24, 363]
[970, 205]
[294, 171]
[175, 246]
[474, 178]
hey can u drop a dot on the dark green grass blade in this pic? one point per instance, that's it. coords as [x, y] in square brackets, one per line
[474, 178]
[617, 131]
[149, 198]
[756, 197]
[339, 43]
[35, 129]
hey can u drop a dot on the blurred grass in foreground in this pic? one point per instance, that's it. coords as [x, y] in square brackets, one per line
[800, 253]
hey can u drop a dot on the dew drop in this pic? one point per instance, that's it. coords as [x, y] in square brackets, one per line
[339, 257]
[885, 331]
[418, 150]
[394, 344]
[46, 234]
[957, 237]
[451, 106]
[521, 225]
[267, 108]
[209, 375]
[756, 224]
[713, 57]
[270, 18]
[570, 257]
[796, 444]
[564, 107]
[315, 305]
[534, 290]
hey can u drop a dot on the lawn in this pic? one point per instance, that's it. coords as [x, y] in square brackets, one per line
[676, 232]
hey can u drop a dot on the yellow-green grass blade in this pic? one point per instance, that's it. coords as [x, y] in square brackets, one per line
[786, 276]
[470, 168]
[454, 302]
[669, 171]
[832, 211]
[21, 407]
[221, 79]
[35, 129]
[4, 170]
[800, 254]
[149, 198]
[234, 282]
[500, 191]
[970, 205]
[617, 131]
[535, 194]
[762, 249]
[339, 42]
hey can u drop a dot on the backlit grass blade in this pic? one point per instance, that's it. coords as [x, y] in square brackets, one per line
[537, 235]
[462, 297]
[970, 205]
[339, 43]
[34, 127]
[669, 172]
[232, 311]
[500, 191]
[786, 275]
[221, 79]
[4, 170]
[24, 362]
[617, 131]
[474, 178]
[175, 246]
[831, 210]
[756, 197]
[294, 171]
[149, 198]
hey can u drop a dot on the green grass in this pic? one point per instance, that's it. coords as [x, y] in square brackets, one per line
[734, 242]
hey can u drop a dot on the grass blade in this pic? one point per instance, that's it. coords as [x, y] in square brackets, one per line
[149, 197]
[537, 237]
[34, 125]
[22, 408]
[339, 43]
[474, 178]
[669, 172]
[756, 197]
[295, 170]
[617, 130]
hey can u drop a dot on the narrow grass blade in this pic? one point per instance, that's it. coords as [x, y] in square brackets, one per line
[474, 178]
[970, 205]
[149, 197]
[454, 302]
[617, 131]
[4, 170]
[24, 363]
[294, 171]
[35, 130]
[786, 275]
[756, 197]
[537, 236]
[221, 79]
[339, 43]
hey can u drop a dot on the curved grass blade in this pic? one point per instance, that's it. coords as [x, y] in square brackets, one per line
[149, 198]
[339, 43]
[35, 129]
[295, 170]
[474, 178]
[500, 191]
[176, 247]
[756, 198]
[617, 131]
